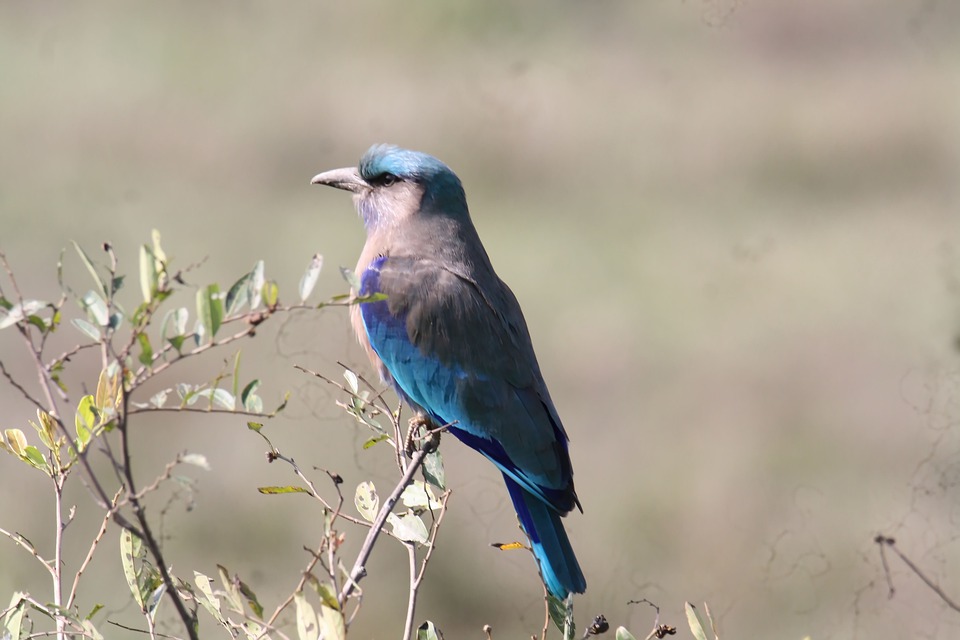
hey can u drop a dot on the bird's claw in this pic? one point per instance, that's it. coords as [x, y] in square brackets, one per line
[422, 429]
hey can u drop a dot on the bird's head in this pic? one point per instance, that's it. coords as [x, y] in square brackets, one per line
[391, 184]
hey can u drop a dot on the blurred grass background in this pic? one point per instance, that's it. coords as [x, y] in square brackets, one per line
[733, 228]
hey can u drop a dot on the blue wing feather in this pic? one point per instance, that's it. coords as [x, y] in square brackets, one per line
[487, 410]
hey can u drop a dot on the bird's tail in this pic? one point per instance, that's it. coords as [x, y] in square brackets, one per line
[558, 565]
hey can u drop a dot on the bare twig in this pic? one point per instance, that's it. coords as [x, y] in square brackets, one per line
[312, 489]
[232, 412]
[21, 541]
[93, 548]
[58, 479]
[416, 575]
[16, 385]
[886, 541]
[172, 592]
[359, 570]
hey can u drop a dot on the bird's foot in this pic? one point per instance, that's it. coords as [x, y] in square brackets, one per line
[421, 429]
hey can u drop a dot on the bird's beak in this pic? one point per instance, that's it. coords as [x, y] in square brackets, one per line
[347, 178]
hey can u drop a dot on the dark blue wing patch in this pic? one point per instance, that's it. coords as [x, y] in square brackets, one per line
[436, 389]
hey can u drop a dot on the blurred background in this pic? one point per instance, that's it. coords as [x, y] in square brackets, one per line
[734, 229]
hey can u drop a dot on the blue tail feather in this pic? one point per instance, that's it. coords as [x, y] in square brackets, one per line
[558, 565]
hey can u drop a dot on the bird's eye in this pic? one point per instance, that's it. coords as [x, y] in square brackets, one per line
[387, 179]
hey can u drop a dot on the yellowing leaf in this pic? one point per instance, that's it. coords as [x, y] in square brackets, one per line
[367, 501]
[16, 440]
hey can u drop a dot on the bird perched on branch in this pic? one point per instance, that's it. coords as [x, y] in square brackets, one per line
[451, 339]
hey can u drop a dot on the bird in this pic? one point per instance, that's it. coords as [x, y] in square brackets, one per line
[449, 336]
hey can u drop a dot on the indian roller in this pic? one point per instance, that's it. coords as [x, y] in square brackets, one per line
[450, 338]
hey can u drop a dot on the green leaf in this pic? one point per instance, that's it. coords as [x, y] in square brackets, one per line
[86, 421]
[367, 501]
[271, 294]
[107, 391]
[196, 459]
[236, 375]
[131, 557]
[373, 297]
[38, 322]
[16, 441]
[230, 588]
[177, 342]
[307, 626]
[88, 263]
[217, 397]
[153, 593]
[409, 527]
[94, 611]
[254, 404]
[210, 309]
[13, 620]
[351, 279]
[47, 428]
[87, 328]
[309, 279]
[255, 426]
[270, 491]
[95, 307]
[158, 252]
[257, 280]
[149, 278]
[175, 320]
[239, 294]
[428, 631]
[327, 595]
[18, 312]
[374, 440]
[352, 380]
[697, 626]
[623, 634]
[331, 622]
[207, 598]
[282, 405]
[146, 351]
[561, 613]
[89, 631]
[36, 459]
[248, 392]
[418, 495]
[433, 470]
[252, 601]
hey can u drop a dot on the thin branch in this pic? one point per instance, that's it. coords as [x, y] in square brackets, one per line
[16, 385]
[21, 541]
[416, 576]
[148, 537]
[276, 455]
[24, 331]
[100, 495]
[93, 548]
[58, 481]
[135, 630]
[886, 541]
[232, 412]
[144, 372]
[412, 595]
[160, 479]
[359, 570]
[304, 576]
[69, 353]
